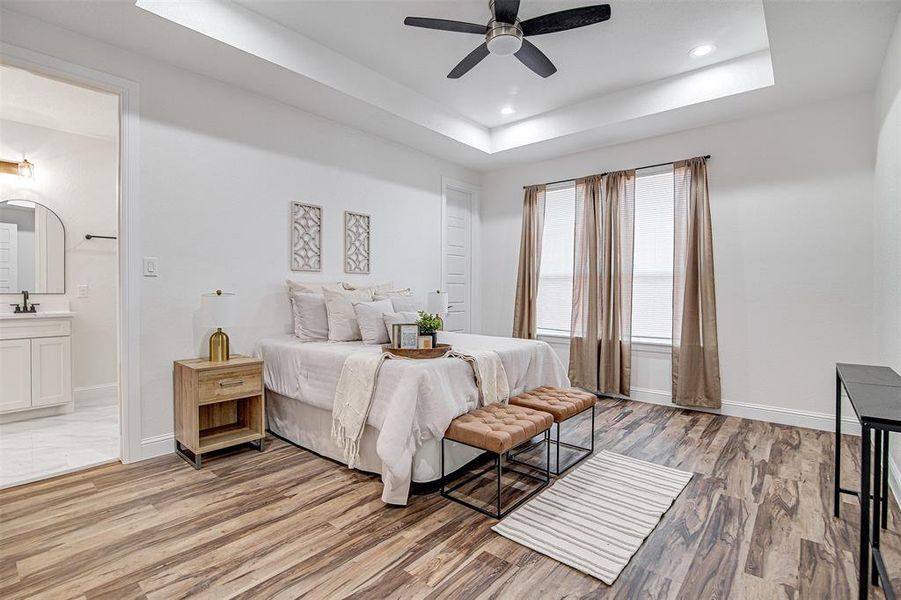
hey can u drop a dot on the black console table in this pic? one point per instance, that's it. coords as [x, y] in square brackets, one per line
[875, 395]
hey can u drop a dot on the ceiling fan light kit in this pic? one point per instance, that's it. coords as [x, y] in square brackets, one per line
[505, 34]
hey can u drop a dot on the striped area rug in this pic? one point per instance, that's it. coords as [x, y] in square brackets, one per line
[596, 517]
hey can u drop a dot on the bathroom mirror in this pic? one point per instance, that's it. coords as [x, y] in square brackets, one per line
[32, 249]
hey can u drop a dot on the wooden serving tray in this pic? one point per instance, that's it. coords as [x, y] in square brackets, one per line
[437, 352]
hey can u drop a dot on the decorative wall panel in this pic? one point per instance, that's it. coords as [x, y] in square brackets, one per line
[306, 237]
[356, 242]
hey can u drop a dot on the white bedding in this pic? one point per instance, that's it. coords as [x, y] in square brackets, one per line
[414, 400]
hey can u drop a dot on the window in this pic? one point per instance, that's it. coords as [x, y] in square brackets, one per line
[652, 275]
[652, 267]
[555, 281]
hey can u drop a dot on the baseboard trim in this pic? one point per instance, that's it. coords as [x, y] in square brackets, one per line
[157, 445]
[758, 412]
[96, 395]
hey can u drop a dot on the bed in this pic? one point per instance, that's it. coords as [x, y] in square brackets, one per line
[413, 404]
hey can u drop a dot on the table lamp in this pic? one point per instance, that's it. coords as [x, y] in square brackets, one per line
[218, 311]
[436, 303]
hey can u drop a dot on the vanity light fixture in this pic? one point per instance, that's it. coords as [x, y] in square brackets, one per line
[22, 168]
[702, 50]
[26, 169]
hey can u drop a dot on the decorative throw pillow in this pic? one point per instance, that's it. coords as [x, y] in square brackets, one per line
[310, 317]
[398, 318]
[311, 288]
[342, 320]
[407, 303]
[371, 321]
[373, 288]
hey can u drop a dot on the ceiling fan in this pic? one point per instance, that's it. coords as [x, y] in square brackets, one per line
[505, 34]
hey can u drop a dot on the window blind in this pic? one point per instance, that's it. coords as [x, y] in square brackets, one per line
[652, 278]
[555, 282]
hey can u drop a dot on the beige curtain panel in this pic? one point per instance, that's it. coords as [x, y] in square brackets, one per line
[601, 329]
[525, 313]
[696, 366]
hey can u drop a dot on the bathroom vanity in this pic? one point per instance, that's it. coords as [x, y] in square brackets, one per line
[35, 362]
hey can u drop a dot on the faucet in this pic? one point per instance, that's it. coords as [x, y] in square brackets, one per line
[25, 307]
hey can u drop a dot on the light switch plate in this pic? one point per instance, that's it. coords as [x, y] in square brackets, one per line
[82, 291]
[151, 266]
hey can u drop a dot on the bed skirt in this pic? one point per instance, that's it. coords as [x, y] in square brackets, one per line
[311, 427]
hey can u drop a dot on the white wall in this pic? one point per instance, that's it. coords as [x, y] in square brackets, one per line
[792, 222]
[76, 177]
[219, 169]
[888, 220]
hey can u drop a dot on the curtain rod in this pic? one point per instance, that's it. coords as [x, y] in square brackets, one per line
[707, 156]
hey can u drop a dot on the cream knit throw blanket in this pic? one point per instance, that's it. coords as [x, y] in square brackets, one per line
[358, 380]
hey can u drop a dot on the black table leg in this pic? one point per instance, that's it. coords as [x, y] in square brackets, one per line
[864, 577]
[837, 477]
[885, 490]
[877, 493]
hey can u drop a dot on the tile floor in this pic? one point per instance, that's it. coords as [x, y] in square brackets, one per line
[47, 446]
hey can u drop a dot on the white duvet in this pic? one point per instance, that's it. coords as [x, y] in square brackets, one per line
[415, 400]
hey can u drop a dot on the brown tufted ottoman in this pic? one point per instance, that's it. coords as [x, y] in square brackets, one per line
[563, 404]
[497, 429]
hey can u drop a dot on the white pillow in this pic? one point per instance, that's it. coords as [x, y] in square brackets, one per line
[398, 318]
[371, 321]
[342, 320]
[310, 317]
[310, 288]
[407, 303]
[373, 288]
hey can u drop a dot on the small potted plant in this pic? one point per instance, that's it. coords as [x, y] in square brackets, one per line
[429, 324]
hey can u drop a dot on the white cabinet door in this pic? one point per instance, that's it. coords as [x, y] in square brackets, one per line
[51, 371]
[15, 374]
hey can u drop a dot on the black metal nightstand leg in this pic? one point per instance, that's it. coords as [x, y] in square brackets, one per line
[865, 472]
[837, 477]
[877, 493]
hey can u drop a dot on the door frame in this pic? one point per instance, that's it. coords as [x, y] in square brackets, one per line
[447, 183]
[129, 269]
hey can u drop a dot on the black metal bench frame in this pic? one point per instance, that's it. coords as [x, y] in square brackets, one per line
[581, 455]
[500, 512]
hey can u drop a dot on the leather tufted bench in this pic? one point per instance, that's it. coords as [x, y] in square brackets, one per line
[563, 404]
[497, 429]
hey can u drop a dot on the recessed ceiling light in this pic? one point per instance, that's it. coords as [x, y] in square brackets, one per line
[507, 110]
[699, 51]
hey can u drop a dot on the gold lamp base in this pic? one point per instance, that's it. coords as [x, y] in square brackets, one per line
[218, 346]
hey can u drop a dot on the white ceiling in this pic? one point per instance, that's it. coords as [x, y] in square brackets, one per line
[621, 80]
[642, 42]
[44, 102]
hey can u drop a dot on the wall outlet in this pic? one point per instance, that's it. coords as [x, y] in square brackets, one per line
[82, 291]
[151, 266]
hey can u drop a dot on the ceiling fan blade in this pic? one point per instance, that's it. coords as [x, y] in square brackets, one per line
[566, 19]
[505, 11]
[532, 57]
[471, 60]
[445, 25]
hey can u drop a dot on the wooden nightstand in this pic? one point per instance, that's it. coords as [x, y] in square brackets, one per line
[218, 405]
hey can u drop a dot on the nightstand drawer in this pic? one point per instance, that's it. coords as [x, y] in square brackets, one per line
[226, 384]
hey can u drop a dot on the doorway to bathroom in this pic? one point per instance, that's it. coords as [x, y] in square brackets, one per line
[59, 276]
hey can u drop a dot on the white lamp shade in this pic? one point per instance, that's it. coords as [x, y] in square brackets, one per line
[219, 310]
[436, 303]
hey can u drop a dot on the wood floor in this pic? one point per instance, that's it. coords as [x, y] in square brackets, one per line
[754, 522]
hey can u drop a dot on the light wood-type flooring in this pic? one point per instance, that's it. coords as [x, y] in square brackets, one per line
[754, 522]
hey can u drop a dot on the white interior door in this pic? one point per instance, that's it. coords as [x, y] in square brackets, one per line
[459, 211]
[9, 258]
